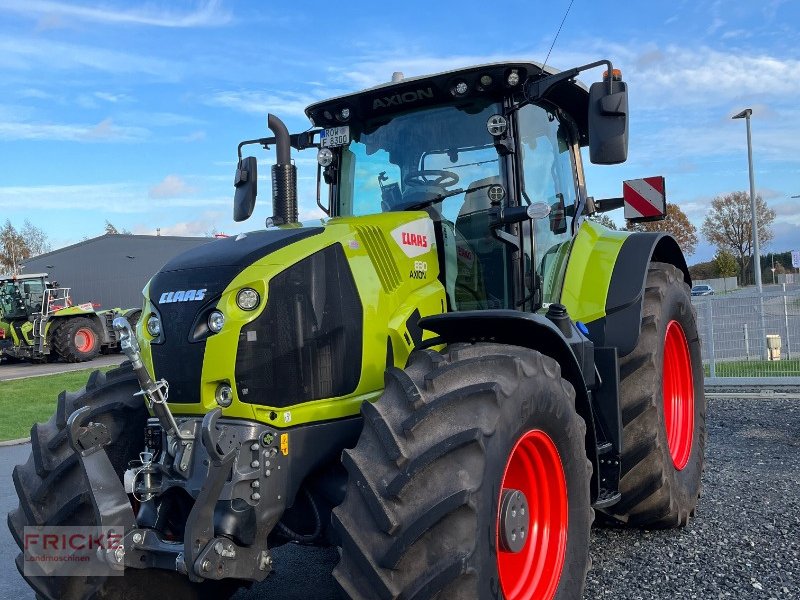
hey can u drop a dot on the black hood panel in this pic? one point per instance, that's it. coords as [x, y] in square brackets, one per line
[239, 252]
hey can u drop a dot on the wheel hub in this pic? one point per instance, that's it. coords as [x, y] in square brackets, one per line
[514, 520]
[532, 538]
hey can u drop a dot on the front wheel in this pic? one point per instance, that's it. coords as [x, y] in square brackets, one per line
[470, 481]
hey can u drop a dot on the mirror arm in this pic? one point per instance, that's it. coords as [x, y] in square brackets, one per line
[298, 141]
[539, 88]
[608, 204]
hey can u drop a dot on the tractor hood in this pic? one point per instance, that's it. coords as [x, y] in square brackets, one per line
[189, 286]
[239, 251]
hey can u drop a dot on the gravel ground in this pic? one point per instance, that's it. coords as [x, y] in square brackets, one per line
[744, 542]
[745, 539]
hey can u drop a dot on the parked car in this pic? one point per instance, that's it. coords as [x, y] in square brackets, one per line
[702, 290]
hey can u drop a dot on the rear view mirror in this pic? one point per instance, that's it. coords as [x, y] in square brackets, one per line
[246, 184]
[608, 122]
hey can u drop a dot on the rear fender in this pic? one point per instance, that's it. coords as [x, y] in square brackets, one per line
[605, 281]
[528, 330]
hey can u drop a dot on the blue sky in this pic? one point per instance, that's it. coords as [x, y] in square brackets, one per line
[131, 112]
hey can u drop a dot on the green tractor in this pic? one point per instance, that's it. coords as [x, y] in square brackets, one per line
[38, 322]
[447, 379]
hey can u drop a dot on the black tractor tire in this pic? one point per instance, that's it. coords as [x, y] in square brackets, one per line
[421, 512]
[77, 339]
[660, 481]
[53, 490]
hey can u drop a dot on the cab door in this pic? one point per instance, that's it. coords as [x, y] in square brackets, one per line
[549, 174]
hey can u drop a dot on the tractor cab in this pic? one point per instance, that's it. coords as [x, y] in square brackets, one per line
[21, 296]
[491, 153]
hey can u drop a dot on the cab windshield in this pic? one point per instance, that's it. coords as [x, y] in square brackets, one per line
[435, 156]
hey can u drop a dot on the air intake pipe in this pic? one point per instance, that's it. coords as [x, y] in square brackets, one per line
[284, 175]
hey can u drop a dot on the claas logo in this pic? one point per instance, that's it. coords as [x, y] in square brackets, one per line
[414, 239]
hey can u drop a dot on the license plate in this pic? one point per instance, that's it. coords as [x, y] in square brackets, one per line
[335, 136]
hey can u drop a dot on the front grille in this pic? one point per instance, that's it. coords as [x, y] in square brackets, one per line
[306, 345]
[178, 359]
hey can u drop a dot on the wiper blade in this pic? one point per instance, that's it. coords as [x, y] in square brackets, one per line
[440, 197]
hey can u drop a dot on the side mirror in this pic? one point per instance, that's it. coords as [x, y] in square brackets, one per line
[558, 216]
[246, 184]
[608, 122]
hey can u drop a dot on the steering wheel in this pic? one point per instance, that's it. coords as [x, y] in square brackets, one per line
[431, 177]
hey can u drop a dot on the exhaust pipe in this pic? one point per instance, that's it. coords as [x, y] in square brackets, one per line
[284, 175]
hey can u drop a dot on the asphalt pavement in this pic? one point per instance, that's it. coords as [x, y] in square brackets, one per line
[27, 369]
[744, 542]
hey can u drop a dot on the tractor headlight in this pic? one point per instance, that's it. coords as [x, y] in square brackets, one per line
[247, 299]
[224, 395]
[154, 326]
[215, 321]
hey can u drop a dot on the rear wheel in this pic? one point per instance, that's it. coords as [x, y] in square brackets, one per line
[53, 491]
[77, 340]
[663, 409]
[470, 480]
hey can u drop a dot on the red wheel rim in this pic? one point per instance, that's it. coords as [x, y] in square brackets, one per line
[84, 340]
[534, 467]
[678, 391]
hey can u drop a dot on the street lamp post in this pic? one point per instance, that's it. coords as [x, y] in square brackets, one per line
[745, 114]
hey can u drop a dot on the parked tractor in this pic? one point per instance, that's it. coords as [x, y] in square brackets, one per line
[448, 378]
[39, 322]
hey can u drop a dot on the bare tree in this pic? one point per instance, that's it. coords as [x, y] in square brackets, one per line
[35, 238]
[676, 224]
[13, 249]
[728, 225]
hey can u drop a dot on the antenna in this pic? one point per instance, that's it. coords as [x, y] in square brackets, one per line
[557, 32]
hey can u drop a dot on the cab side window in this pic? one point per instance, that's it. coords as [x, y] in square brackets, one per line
[548, 171]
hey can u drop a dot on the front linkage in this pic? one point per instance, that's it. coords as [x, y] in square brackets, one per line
[234, 471]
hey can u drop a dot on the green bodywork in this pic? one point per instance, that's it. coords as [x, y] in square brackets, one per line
[389, 296]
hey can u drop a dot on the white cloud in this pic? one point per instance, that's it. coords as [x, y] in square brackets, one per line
[261, 103]
[171, 186]
[56, 14]
[37, 55]
[103, 131]
[106, 198]
[205, 225]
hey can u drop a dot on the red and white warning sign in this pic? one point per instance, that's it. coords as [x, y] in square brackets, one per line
[645, 199]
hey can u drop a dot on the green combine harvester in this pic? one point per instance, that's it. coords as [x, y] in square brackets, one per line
[448, 379]
[39, 322]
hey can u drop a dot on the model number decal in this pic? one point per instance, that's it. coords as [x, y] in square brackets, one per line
[420, 270]
[182, 296]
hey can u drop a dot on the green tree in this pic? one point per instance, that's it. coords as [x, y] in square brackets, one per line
[725, 262]
[604, 220]
[728, 225]
[676, 224]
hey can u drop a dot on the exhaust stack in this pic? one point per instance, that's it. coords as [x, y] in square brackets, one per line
[284, 175]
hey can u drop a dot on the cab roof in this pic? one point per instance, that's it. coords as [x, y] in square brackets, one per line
[415, 92]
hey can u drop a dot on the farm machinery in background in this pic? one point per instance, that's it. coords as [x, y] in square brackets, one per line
[39, 322]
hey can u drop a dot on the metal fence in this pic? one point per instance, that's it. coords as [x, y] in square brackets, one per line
[751, 338]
